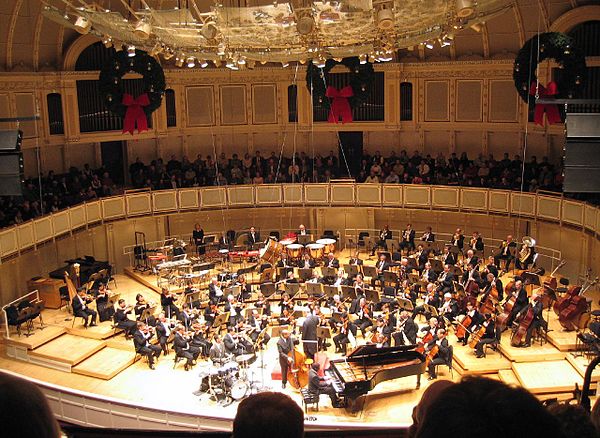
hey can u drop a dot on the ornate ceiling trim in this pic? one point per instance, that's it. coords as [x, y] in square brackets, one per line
[576, 16]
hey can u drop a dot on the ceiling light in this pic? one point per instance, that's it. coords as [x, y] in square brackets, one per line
[385, 16]
[386, 56]
[231, 64]
[203, 63]
[241, 61]
[82, 25]
[191, 62]
[179, 62]
[429, 45]
[130, 50]
[107, 41]
[464, 8]
[168, 54]
[320, 62]
[362, 58]
[143, 29]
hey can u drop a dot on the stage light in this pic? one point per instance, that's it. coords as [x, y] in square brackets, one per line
[203, 63]
[82, 25]
[131, 50]
[464, 8]
[143, 29]
[107, 41]
[191, 62]
[362, 58]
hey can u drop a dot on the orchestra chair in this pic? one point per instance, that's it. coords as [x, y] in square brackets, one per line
[540, 335]
[361, 239]
[493, 345]
[64, 298]
[17, 317]
[369, 243]
[309, 398]
[449, 362]
[83, 320]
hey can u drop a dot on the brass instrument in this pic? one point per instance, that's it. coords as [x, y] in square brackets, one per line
[528, 243]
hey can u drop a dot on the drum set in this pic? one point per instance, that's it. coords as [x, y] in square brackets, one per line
[233, 381]
[273, 249]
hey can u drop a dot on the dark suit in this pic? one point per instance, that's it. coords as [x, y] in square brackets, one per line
[538, 319]
[506, 253]
[333, 263]
[253, 239]
[316, 385]
[163, 330]
[122, 321]
[106, 310]
[80, 308]
[458, 242]
[184, 349]
[145, 348]
[489, 337]
[381, 266]
[212, 293]
[284, 348]
[383, 236]
[429, 275]
[385, 333]
[410, 328]
[218, 354]
[355, 261]
[309, 333]
[520, 303]
[408, 239]
[450, 259]
[446, 279]
[428, 237]
[442, 356]
[478, 244]
[306, 264]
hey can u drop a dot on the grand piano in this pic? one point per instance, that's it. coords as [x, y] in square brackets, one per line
[368, 365]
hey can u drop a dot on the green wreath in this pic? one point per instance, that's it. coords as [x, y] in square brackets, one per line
[111, 84]
[553, 45]
[362, 77]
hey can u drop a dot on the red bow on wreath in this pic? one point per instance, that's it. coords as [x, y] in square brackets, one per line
[340, 107]
[135, 114]
[551, 110]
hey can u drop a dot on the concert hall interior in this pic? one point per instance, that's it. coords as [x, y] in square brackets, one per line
[345, 202]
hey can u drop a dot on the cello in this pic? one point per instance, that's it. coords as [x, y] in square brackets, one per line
[461, 329]
[476, 336]
[297, 373]
[507, 307]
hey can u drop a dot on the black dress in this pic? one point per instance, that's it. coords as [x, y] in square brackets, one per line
[106, 309]
[198, 237]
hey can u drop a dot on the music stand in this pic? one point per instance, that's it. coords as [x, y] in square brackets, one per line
[330, 291]
[348, 292]
[412, 263]
[267, 289]
[315, 289]
[323, 332]
[299, 313]
[436, 264]
[456, 271]
[352, 270]
[305, 273]
[221, 319]
[372, 295]
[392, 244]
[405, 304]
[370, 271]
[390, 277]
[304, 239]
[233, 290]
[431, 310]
[147, 313]
[530, 278]
[292, 288]
[328, 272]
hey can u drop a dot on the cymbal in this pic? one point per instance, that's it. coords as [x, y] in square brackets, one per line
[244, 357]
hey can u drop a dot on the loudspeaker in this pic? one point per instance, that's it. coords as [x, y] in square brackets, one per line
[11, 163]
[582, 166]
[10, 141]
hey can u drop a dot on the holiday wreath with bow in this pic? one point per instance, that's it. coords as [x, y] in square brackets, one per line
[569, 83]
[133, 109]
[344, 100]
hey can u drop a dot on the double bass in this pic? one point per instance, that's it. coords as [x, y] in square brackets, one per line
[524, 322]
[297, 373]
[507, 307]
[574, 307]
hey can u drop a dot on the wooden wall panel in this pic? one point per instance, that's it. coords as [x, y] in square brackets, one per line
[468, 101]
[26, 107]
[503, 101]
[200, 105]
[264, 103]
[437, 101]
[233, 105]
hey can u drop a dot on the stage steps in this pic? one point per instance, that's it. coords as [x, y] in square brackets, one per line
[65, 351]
[535, 353]
[102, 331]
[106, 363]
[580, 364]
[553, 376]
[561, 339]
[467, 363]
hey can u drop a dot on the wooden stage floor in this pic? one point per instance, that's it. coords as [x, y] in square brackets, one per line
[389, 405]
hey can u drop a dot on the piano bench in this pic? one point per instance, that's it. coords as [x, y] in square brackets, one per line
[309, 398]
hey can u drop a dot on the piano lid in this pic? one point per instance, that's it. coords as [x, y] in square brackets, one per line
[370, 350]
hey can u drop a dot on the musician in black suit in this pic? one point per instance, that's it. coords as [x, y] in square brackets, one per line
[302, 231]
[470, 258]
[218, 354]
[382, 333]
[307, 262]
[105, 307]
[235, 310]
[199, 339]
[443, 354]
[428, 275]
[489, 337]
[449, 308]
[215, 293]
[445, 280]
[225, 242]
[471, 273]
[186, 317]
[458, 239]
[167, 302]
[432, 298]
[141, 339]
[317, 385]
[364, 313]
[253, 238]
[309, 335]
[346, 327]
[231, 341]
[476, 242]
[489, 282]
[422, 255]
[258, 324]
[79, 304]
[408, 238]
[198, 239]
[381, 266]
[525, 257]
[163, 331]
[521, 294]
[476, 319]
[428, 235]
[406, 330]
[491, 266]
[285, 346]
[122, 321]
[384, 235]
[356, 260]
[538, 320]
[506, 252]
[183, 348]
[331, 261]
[447, 257]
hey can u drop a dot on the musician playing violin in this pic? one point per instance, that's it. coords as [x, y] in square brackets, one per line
[234, 308]
[432, 298]
[365, 315]
[262, 303]
[405, 330]
[470, 258]
[381, 266]
[447, 257]
[105, 307]
[258, 323]
[458, 239]
[167, 302]
[538, 320]
[121, 320]
[382, 333]
[215, 293]
[476, 242]
[183, 347]
[442, 355]
[428, 275]
[141, 338]
[79, 304]
[345, 327]
[489, 337]
[445, 280]
[164, 328]
[428, 235]
[199, 338]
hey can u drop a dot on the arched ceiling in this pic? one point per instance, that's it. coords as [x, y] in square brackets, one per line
[30, 42]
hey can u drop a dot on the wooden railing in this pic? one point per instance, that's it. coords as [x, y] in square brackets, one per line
[544, 207]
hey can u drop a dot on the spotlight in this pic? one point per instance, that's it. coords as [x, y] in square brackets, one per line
[362, 58]
[320, 62]
[191, 62]
[385, 17]
[203, 63]
[231, 65]
[241, 60]
[130, 50]
[143, 29]
[464, 8]
[429, 45]
[386, 56]
[82, 25]
[107, 41]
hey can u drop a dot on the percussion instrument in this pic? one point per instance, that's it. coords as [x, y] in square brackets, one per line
[315, 250]
[271, 252]
[294, 250]
[287, 241]
[329, 245]
[228, 369]
[238, 389]
[209, 378]
[244, 357]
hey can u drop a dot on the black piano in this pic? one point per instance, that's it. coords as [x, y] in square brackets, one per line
[88, 265]
[368, 365]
